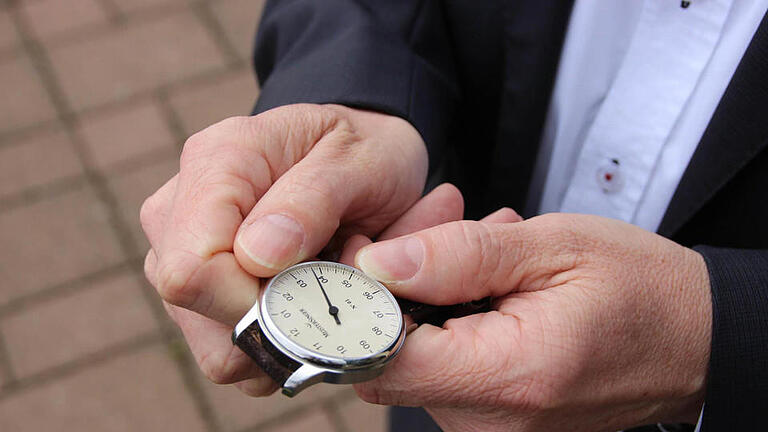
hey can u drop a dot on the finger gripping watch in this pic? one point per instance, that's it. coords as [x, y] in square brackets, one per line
[322, 321]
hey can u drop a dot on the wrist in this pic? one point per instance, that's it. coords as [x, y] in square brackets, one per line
[695, 300]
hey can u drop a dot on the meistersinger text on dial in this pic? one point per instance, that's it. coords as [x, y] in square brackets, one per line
[314, 322]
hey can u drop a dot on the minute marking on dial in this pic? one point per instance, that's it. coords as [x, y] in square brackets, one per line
[333, 310]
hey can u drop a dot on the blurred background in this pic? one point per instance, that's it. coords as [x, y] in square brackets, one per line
[96, 100]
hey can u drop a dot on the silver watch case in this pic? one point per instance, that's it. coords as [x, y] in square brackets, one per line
[315, 367]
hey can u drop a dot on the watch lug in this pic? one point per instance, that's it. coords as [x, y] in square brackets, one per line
[246, 320]
[304, 377]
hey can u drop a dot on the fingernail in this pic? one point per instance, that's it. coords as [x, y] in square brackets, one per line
[273, 241]
[394, 260]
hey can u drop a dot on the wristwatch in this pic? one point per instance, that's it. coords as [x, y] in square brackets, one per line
[322, 321]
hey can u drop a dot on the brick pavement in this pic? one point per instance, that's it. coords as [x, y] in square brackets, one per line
[96, 99]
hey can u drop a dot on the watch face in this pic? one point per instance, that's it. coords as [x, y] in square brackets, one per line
[332, 310]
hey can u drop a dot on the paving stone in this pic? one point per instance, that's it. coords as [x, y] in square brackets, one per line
[71, 327]
[315, 421]
[203, 105]
[239, 19]
[37, 160]
[358, 415]
[133, 188]
[142, 391]
[4, 378]
[51, 18]
[52, 241]
[125, 133]
[24, 101]
[237, 411]
[136, 58]
[137, 5]
[8, 36]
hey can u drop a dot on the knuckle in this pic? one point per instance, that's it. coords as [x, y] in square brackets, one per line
[371, 393]
[566, 237]
[228, 154]
[193, 148]
[203, 145]
[508, 215]
[332, 111]
[318, 193]
[227, 367]
[316, 115]
[169, 289]
[173, 287]
[303, 118]
[257, 387]
[149, 266]
[215, 370]
[228, 186]
[304, 126]
[474, 250]
[324, 114]
[148, 212]
[233, 124]
[215, 376]
[559, 228]
[311, 181]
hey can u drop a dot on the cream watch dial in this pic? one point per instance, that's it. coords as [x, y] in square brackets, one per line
[333, 310]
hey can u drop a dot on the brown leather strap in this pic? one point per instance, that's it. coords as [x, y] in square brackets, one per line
[274, 363]
[437, 315]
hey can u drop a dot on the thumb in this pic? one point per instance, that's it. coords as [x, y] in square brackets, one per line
[453, 263]
[352, 176]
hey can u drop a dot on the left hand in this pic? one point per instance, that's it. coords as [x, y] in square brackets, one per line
[598, 325]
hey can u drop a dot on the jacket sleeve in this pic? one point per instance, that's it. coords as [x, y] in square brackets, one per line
[390, 56]
[737, 384]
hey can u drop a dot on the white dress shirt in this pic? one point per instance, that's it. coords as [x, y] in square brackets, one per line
[636, 87]
[637, 84]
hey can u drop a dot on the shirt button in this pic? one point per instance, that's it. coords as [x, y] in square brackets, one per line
[609, 176]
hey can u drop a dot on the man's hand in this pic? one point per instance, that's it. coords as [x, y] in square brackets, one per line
[598, 325]
[257, 194]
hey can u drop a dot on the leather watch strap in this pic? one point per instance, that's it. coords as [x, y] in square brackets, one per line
[274, 363]
[437, 315]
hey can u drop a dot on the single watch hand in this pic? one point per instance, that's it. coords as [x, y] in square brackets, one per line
[333, 310]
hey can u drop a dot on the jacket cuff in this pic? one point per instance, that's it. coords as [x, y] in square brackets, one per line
[371, 73]
[737, 383]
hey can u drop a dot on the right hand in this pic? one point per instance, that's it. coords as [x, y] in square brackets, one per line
[257, 194]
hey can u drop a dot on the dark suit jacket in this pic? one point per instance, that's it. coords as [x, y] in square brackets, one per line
[475, 77]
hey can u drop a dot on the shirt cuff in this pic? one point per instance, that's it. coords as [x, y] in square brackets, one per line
[701, 417]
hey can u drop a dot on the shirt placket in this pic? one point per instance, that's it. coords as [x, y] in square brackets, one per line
[668, 52]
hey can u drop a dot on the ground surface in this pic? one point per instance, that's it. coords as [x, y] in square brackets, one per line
[96, 99]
